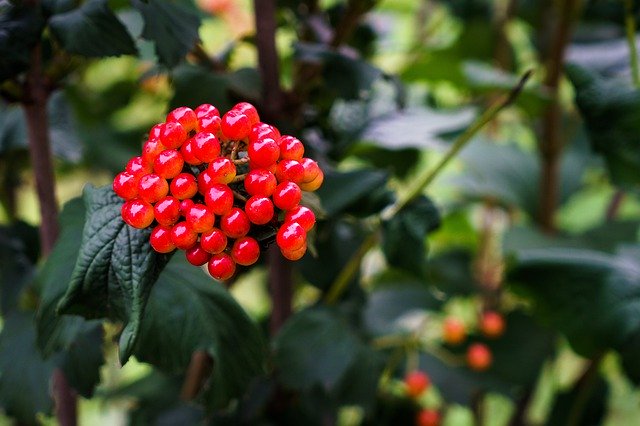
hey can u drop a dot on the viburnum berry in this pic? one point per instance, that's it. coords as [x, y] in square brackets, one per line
[219, 198]
[188, 154]
[428, 417]
[291, 236]
[222, 170]
[205, 180]
[263, 153]
[167, 211]
[479, 357]
[211, 123]
[492, 324]
[168, 164]
[150, 151]
[185, 116]
[314, 184]
[235, 125]
[311, 169]
[235, 224]
[206, 147]
[138, 167]
[416, 382]
[290, 148]
[137, 213]
[184, 186]
[289, 171]
[183, 236]
[185, 206]
[152, 188]
[260, 182]
[259, 209]
[156, 131]
[245, 251]
[303, 215]
[197, 256]
[206, 109]
[249, 110]
[160, 239]
[221, 266]
[287, 196]
[173, 135]
[294, 254]
[213, 241]
[453, 331]
[200, 217]
[125, 185]
[263, 130]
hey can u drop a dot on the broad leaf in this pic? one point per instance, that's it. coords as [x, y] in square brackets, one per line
[342, 190]
[21, 29]
[115, 270]
[194, 85]
[16, 264]
[92, 30]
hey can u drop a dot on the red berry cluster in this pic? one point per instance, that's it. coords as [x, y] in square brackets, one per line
[208, 185]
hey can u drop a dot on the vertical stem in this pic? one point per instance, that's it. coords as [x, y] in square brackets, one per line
[281, 286]
[550, 138]
[630, 26]
[65, 399]
[502, 53]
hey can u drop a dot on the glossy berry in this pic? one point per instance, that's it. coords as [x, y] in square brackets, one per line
[185, 116]
[173, 135]
[260, 182]
[125, 185]
[197, 256]
[263, 153]
[211, 124]
[291, 236]
[184, 186]
[168, 164]
[235, 224]
[167, 211]
[287, 196]
[188, 154]
[219, 198]
[290, 148]
[416, 382]
[303, 215]
[479, 357]
[160, 239]
[205, 180]
[221, 266]
[249, 110]
[492, 324]
[222, 170]
[137, 167]
[206, 109]
[185, 206]
[213, 241]
[453, 331]
[183, 236]
[289, 171]
[200, 218]
[235, 125]
[206, 147]
[314, 184]
[245, 251]
[150, 151]
[311, 169]
[137, 213]
[427, 417]
[263, 130]
[294, 254]
[156, 131]
[152, 188]
[259, 209]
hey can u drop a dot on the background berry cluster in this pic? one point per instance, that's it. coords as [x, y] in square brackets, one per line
[210, 185]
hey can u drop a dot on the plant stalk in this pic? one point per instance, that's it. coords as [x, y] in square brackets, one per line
[630, 27]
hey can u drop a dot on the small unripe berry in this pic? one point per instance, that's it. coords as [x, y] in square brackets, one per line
[416, 382]
[137, 213]
[453, 331]
[479, 357]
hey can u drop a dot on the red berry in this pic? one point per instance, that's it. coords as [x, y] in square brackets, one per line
[263, 153]
[249, 110]
[287, 195]
[291, 148]
[125, 185]
[314, 184]
[479, 357]
[428, 417]
[213, 241]
[294, 254]
[260, 182]
[167, 211]
[152, 188]
[261, 131]
[184, 186]
[183, 236]
[219, 198]
[291, 236]
[221, 266]
[168, 164]
[222, 170]
[235, 224]
[206, 109]
[173, 135]
[200, 217]
[311, 169]
[211, 123]
[185, 206]
[137, 167]
[259, 209]
[235, 125]
[150, 150]
[492, 324]
[185, 116]
[289, 170]
[303, 215]
[156, 131]
[205, 180]
[137, 213]
[245, 251]
[188, 154]
[197, 256]
[416, 382]
[206, 147]
[160, 239]
[454, 331]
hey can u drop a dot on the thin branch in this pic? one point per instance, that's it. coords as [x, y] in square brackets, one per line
[630, 26]
[281, 287]
[356, 9]
[199, 369]
[585, 387]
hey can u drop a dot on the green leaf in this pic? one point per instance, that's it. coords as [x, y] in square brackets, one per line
[24, 375]
[16, 265]
[342, 190]
[594, 406]
[451, 272]
[115, 269]
[21, 29]
[359, 384]
[172, 27]
[404, 235]
[315, 346]
[611, 111]
[187, 311]
[194, 85]
[92, 30]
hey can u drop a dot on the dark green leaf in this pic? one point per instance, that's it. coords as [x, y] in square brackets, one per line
[171, 26]
[451, 272]
[194, 85]
[340, 191]
[115, 270]
[594, 406]
[92, 30]
[21, 29]
[359, 384]
[187, 311]
[16, 266]
[404, 235]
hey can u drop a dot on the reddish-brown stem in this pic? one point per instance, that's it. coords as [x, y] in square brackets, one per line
[65, 399]
[281, 287]
[199, 368]
[614, 205]
[350, 19]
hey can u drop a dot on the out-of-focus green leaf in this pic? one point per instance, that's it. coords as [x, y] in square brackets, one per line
[194, 85]
[16, 266]
[595, 407]
[21, 29]
[451, 272]
[339, 191]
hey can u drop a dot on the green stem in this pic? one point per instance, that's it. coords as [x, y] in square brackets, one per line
[630, 26]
